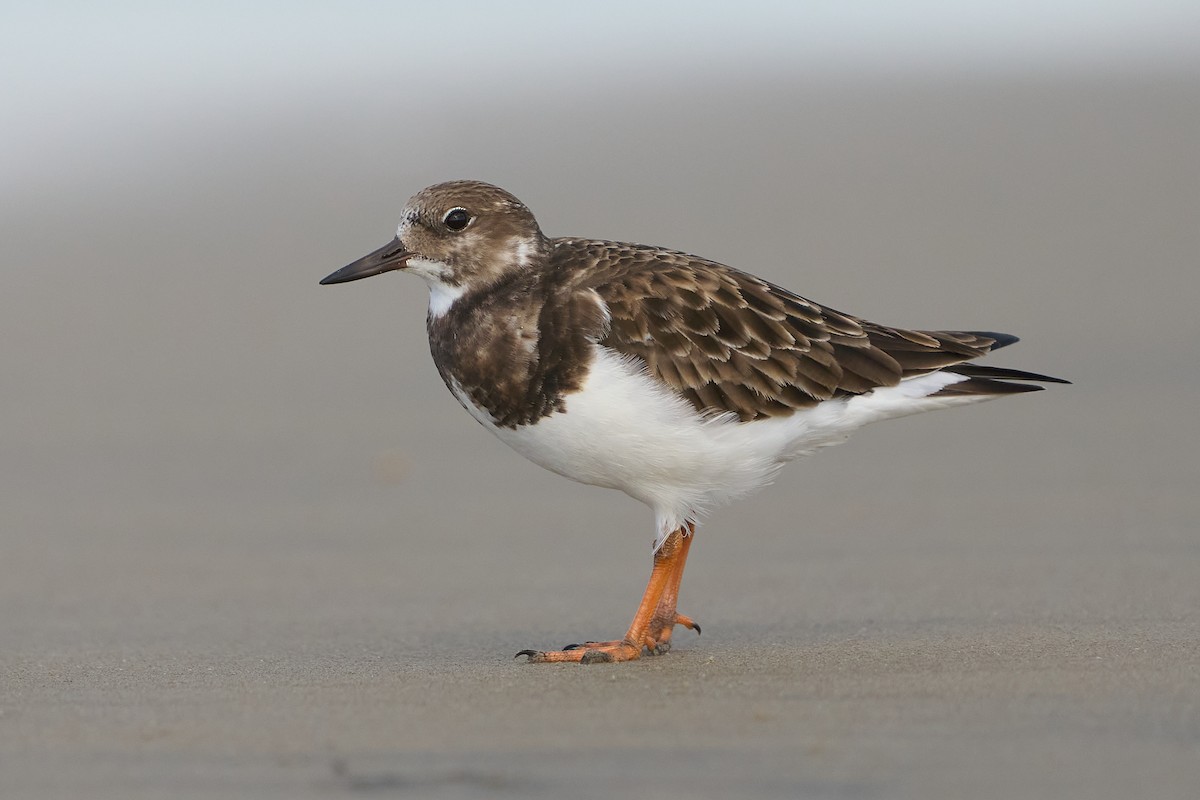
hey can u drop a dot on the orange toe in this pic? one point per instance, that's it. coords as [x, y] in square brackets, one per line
[590, 653]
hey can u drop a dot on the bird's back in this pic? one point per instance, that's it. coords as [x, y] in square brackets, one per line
[730, 342]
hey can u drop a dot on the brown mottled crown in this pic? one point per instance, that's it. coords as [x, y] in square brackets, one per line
[475, 196]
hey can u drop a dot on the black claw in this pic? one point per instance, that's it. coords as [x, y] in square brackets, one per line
[696, 625]
[530, 654]
[573, 647]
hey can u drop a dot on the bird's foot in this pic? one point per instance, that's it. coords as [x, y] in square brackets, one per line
[587, 653]
[656, 642]
[654, 621]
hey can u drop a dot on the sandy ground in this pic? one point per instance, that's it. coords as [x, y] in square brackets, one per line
[252, 548]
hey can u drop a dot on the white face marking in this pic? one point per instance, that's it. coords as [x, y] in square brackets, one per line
[407, 218]
[522, 252]
[431, 271]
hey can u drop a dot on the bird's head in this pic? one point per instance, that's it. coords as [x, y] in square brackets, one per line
[461, 234]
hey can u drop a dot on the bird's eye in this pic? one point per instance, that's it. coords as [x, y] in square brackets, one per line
[456, 219]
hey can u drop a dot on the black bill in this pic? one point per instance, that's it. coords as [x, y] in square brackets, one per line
[391, 256]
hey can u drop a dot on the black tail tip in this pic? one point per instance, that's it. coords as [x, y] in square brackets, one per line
[999, 339]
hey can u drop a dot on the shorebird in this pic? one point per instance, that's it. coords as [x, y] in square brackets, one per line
[683, 382]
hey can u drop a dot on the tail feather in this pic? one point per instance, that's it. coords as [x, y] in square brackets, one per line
[985, 380]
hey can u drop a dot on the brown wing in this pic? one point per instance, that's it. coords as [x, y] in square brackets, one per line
[730, 342]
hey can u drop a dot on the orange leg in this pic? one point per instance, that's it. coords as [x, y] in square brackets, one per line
[655, 617]
[665, 618]
[658, 633]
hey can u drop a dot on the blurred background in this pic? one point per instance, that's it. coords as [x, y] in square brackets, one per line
[201, 445]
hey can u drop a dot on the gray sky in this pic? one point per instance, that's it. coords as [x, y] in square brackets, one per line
[83, 79]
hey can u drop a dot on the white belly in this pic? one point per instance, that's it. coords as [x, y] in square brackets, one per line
[626, 430]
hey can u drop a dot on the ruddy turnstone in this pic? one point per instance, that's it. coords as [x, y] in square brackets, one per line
[680, 381]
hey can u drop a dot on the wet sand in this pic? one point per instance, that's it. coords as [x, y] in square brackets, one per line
[251, 547]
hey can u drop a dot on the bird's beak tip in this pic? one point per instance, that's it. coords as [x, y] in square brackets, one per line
[391, 256]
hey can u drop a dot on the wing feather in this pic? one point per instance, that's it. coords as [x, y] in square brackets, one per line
[729, 342]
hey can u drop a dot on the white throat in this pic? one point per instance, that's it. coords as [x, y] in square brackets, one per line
[441, 297]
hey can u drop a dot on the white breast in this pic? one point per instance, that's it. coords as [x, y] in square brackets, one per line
[626, 430]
